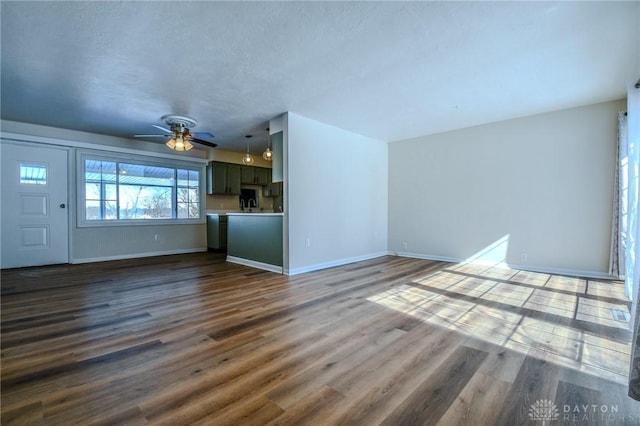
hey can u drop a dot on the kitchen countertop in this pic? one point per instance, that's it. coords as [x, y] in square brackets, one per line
[225, 213]
[255, 214]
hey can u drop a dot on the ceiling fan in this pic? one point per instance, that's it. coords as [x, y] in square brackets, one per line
[180, 137]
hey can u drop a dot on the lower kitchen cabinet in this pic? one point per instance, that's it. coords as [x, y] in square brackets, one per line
[216, 231]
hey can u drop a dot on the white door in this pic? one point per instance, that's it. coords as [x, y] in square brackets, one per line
[35, 224]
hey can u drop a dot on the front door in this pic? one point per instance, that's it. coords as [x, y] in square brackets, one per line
[35, 222]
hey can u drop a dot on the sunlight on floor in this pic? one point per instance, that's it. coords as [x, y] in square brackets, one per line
[563, 320]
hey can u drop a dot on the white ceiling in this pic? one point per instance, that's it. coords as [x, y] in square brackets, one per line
[389, 70]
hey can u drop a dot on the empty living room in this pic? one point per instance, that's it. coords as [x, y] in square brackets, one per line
[322, 213]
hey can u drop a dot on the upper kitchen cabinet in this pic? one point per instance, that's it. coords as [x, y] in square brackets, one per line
[262, 175]
[223, 178]
[247, 174]
[278, 157]
[233, 178]
[255, 175]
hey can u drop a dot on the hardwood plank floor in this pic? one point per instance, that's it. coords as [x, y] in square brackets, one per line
[191, 339]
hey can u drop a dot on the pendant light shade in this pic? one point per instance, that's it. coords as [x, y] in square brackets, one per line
[247, 159]
[268, 154]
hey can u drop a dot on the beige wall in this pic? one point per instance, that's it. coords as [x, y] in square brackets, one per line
[236, 158]
[534, 191]
[230, 203]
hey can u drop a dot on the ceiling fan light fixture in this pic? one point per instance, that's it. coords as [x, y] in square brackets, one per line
[181, 139]
[179, 143]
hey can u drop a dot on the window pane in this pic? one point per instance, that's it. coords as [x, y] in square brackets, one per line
[92, 210]
[189, 178]
[183, 177]
[194, 178]
[144, 202]
[146, 175]
[92, 191]
[129, 191]
[157, 203]
[35, 174]
[183, 211]
[110, 210]
[194, 195]
[110, 192]
[194, 210]
[100, 170]
[188, 210]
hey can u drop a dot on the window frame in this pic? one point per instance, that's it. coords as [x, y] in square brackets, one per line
[83, 222]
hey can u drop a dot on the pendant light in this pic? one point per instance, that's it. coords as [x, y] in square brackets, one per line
[247, 159]
[268, 154]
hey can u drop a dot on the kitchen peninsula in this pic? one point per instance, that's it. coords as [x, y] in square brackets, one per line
[255, 239]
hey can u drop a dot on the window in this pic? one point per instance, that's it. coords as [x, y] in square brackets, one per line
[33, 174]
[135, 191]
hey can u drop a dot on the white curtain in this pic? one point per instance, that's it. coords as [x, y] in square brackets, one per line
[632, 266]
[620, 202]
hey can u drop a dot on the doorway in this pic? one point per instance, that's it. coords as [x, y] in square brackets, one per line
[35, 212]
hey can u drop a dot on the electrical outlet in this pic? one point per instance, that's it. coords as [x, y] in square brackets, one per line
[524, 256]
[156, 237]
[404, 246]
[307, 242]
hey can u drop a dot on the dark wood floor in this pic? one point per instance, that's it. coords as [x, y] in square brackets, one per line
[394, 341]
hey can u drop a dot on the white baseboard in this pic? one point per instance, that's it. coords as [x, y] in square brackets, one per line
[137, 255]
[333, 263]
[254, 264]
[427, 257]
[532, 268]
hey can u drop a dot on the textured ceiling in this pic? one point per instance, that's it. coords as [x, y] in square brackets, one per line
[389, 70]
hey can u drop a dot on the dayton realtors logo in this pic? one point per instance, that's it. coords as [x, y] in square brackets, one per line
[544, 410]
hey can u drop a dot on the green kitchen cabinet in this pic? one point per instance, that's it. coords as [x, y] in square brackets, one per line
[223, 178]
[233, 178]
[247, 175]
[216, 231]
[255, 175]
[262, 175]
[272, 190]
[277, 163]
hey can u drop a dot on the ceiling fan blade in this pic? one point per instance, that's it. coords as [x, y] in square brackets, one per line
[150, 136]
[162, 128]
[203, 142]
[203, 135]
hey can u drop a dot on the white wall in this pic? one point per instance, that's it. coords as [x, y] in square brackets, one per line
[336, 183]
[540, 186]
